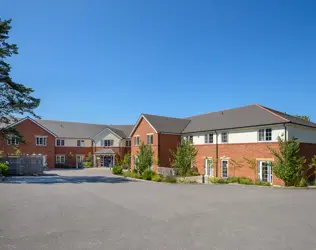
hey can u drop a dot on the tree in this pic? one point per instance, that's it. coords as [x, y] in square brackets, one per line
[304, 117]
[15, 98]
[127, 161]
[184, 158]
[289, 166]
[236, 165]
[144, 158]
[252, 164]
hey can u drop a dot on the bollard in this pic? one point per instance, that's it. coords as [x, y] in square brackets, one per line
[203, 178]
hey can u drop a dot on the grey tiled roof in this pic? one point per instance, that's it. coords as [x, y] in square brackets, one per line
[82, 130]
[247, 116]
[164, 124]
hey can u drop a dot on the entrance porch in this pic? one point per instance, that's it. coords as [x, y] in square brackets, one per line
[104, 158]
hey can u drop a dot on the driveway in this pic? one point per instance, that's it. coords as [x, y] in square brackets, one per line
[91, 209]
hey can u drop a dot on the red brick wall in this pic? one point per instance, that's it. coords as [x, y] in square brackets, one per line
[30, 130]
[167, 142]
[71, 152]
[308, 150]
[236, 152]
[142, 130]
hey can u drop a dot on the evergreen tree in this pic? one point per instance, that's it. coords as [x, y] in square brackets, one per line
[15, 98]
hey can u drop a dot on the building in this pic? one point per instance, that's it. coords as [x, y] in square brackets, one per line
[225, 138]
[70, 143]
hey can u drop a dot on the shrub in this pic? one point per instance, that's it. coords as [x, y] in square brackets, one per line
[302, 183]
[218, 180]
[117, 170]
[148, 174]
[144, 159]
[132, 175]
[157, 178]
[245, 181]
[4, 169]
[262, 183]
[289, 165]
[87, 164]
[184, 158]
[233, 179]
[170, 179]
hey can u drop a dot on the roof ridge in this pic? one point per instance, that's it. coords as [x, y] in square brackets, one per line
[271, 111]
[72, 122]
[165, 116]
[221, 110]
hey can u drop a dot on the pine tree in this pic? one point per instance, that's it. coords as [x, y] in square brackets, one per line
[15, 98]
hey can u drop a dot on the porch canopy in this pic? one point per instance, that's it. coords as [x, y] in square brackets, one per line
[105, 151]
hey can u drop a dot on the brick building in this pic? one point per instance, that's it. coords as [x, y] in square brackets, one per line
[69, 143]
[225, 137]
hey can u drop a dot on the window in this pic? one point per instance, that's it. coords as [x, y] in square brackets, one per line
[150, 139]
[136, 140]
[189, 137]
[265, 134]
[128, 143]
[209, 138]
[80, 143]
[107, 143]
[224, 137]
[224, 168]
[60, 159]
[60, 142]
[41, 140]
[13, 140]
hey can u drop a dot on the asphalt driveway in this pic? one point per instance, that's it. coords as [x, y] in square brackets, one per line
[91, 209]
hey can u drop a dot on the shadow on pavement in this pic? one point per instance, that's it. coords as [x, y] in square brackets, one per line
[56, 179]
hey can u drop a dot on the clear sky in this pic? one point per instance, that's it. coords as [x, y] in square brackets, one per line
[107, 61]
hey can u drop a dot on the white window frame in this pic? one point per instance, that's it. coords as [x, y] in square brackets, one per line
[270, 172]
[206, 167]
[107, 143]
[190, 138]
[60, 144]
[226, 133]
[136, 140]
[128, 143]
[265, 134]
[207, 138]
[81, 143]
[150, 142]
[59, 159]
[44, 140]
[13, 140]
[222, 168]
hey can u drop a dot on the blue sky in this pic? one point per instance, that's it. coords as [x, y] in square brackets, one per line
[107, 61]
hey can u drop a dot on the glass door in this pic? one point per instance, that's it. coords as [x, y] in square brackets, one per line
[208, 167]
[79, 160]
[265, 171]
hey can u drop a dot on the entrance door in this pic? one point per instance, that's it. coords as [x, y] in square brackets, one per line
[208, 167]
[79, 160]
[265, 171]
[106, 161]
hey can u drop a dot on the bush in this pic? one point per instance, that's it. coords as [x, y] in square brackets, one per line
[117, 170]
[87, 164]
[218, 180]
[262, 183]
[302, 183]
[4, 169]
[148, 174]
[131, 175]
[233, 179]
[170, 179]
[245, 181]
[157, 178]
